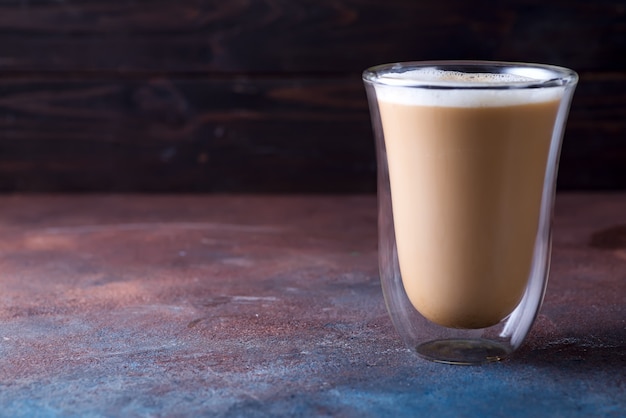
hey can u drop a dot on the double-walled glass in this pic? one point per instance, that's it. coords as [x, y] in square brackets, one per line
[467, 162]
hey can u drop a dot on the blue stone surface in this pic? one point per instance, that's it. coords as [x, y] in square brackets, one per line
[146, 306]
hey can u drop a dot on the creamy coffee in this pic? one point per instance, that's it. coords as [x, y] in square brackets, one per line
[466, 170]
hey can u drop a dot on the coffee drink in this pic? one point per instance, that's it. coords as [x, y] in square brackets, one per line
[466, 172]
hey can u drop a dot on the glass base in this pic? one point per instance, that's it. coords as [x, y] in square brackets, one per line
[462, 351]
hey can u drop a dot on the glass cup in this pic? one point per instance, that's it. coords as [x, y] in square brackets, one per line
[467, 155]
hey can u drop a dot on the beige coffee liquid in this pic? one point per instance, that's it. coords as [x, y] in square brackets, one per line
[466, 173]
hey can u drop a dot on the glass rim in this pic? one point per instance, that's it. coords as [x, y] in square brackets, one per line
[531, 75]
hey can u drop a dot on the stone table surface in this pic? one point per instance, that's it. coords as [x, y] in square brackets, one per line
[255, 306]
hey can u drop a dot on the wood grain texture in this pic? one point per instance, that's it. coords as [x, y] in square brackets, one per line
[594, 148]
[265, 95]
[261, 134]
[304, 35]
[161, 134]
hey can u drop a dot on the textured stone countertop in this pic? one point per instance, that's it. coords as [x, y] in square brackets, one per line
[255, 306]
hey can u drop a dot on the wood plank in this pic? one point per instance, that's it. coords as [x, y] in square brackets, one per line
[594, 147]
[210, 135]
[234, 134]
[326, 36]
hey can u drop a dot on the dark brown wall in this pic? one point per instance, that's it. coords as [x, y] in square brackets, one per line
[265, 95]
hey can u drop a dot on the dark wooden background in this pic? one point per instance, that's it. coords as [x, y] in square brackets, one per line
[266, 95]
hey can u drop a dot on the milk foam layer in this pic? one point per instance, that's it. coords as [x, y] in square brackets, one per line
[405, 88]
[433, 74]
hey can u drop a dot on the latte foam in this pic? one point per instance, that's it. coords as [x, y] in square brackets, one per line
[434, 87]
